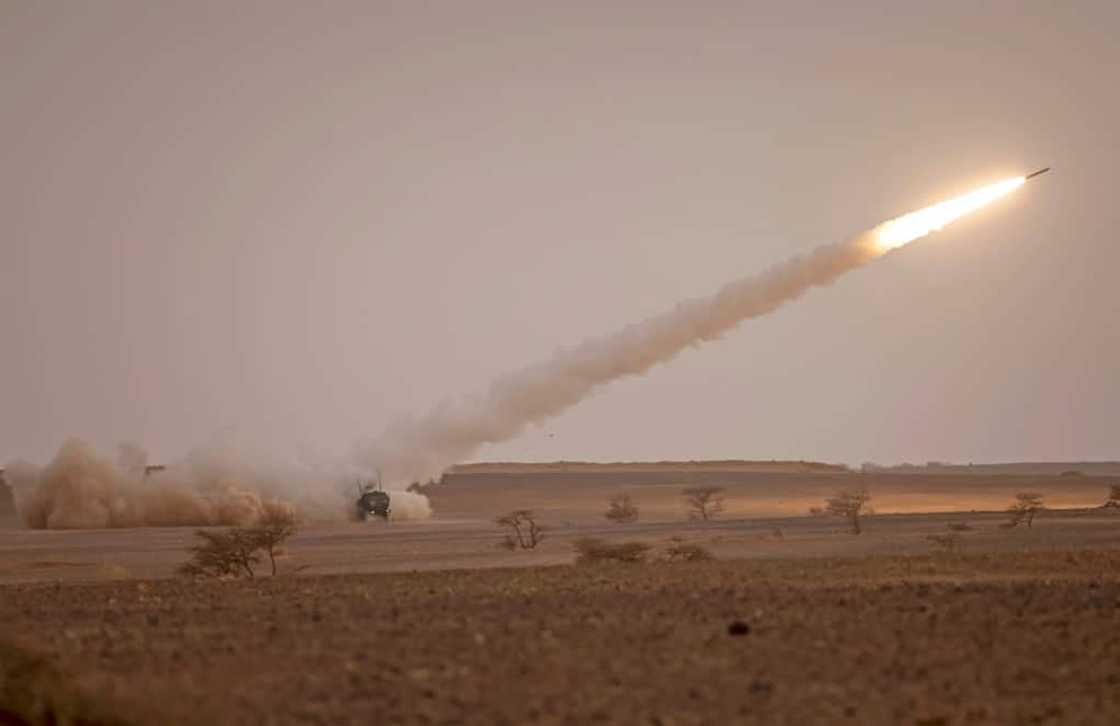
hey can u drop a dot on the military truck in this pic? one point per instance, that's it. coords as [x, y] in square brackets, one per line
[372, 501]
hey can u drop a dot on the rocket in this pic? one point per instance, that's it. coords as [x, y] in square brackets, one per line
[1032, 175]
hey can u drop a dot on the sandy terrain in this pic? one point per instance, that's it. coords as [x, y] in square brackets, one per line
[571, 505]
[429, 622]
[1017, 638]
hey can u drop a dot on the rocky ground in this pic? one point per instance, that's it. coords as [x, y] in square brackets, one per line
[998, 638]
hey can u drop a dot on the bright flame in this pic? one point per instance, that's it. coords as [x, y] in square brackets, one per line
[910, 227]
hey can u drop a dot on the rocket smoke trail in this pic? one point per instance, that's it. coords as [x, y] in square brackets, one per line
[219, 485]
[418, 448]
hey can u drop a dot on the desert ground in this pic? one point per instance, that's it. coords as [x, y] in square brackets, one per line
[795, 621]
[765, 516]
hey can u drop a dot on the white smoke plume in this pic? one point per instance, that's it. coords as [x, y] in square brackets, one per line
[216, 485]
[417, 449]
[80, 489]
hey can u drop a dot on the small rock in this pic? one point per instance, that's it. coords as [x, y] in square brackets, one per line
[738, 628]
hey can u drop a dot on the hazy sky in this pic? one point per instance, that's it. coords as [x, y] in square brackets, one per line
[297, 221]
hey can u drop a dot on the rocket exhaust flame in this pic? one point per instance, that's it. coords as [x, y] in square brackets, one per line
[419, 448]
[909, 227]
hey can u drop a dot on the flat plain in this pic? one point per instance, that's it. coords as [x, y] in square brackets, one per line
[796, 621]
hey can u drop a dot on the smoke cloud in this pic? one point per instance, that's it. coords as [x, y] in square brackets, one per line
[414, 449]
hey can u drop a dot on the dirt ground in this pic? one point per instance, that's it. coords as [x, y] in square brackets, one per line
[796, 622]
[764, 518]
[978, 639]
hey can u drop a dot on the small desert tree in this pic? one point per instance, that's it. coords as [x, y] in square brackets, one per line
[524, 532]
[850, 505]
[231, 553]
[703, 502]
[621, 509]
[234, 552]
[1026, 506]
[274, 528]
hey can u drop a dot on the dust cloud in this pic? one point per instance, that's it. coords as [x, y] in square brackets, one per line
[81, 489]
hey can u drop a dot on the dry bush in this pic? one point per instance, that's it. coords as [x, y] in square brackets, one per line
[234, 552]
[703, 502]
[1025, 507]
[524, 532]
[231, 553]
[850, 505]
[959, 527]
[418, 488]
[621, 509]
[688, 553]
[275, 527]
[590, 551]
[949, 542]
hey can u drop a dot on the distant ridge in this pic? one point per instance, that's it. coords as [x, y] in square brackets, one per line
[517, 467]
[1024, 468]
[1016, 468]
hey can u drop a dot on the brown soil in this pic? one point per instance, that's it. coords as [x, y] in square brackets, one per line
[1024, 638]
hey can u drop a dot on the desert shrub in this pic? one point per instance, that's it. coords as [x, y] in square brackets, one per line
[231, 553]
[235, 552]
[948, 542]
[850, 505]
[275, 527]
[418, 488]
[590, 551]
[688, 553]
[703, 502]
[959, 527]
[524, 532]
[1025, 507]
[621, 509]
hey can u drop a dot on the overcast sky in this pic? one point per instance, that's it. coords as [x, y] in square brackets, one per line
[296, 221]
